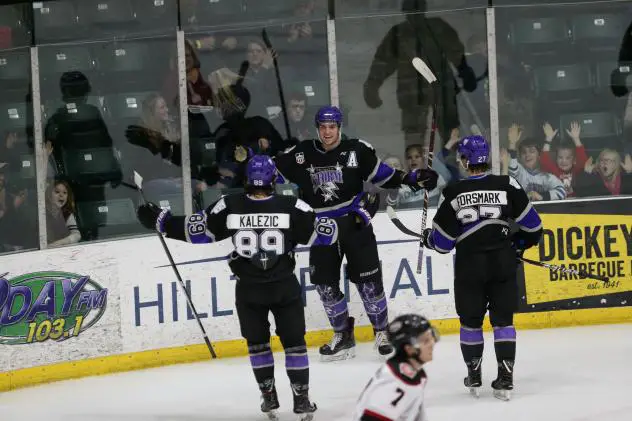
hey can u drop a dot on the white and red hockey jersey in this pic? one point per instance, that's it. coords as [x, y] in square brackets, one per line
[395, 393]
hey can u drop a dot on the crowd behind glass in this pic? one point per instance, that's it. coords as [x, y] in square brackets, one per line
[107, 81]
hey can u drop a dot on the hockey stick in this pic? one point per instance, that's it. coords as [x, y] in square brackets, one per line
[138, 180]
[556, 268]
[266, 41]
[400, 226]
[423, 69]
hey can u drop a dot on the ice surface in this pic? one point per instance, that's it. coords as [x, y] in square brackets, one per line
[572, 374]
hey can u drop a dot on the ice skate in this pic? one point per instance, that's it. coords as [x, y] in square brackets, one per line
[342, 345]
[474, 381]
[270, 401]
[503, 385]
[384, 348]
[302, 406]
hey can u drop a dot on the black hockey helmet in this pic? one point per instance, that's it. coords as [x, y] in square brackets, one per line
[405, 328]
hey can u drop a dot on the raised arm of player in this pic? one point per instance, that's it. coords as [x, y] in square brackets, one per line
[286, 166]
[202, 227]
[381, 175]
[525, 216]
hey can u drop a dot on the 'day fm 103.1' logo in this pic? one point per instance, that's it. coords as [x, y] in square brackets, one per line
[41, 306]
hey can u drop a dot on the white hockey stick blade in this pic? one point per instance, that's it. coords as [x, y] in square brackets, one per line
[138, 180]
[424, 70]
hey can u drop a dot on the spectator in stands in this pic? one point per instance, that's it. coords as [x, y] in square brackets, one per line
[156, 151]
[199, 92]
[78, 126]
[61, 224]
[569, 157]
[605, 178]
[241, 132]
[301, 125]
[406, 198]
[18, 219]
[261, 80]
[539, 185]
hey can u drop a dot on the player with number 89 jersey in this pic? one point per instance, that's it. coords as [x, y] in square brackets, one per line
[264, 228]
[474, 218]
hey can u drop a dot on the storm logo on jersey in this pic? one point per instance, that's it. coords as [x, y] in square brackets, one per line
[326, 180]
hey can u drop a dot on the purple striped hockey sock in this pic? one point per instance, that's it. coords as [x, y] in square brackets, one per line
[374, 300]
[472, 343]
[335, 306]
[262, 362]
[505, 343]
[297, 364]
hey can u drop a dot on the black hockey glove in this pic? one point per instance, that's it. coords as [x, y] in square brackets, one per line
[426, 238]
[421, 179]
[152, 217]
[519, 243]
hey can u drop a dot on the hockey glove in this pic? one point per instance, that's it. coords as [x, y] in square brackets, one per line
[421, 179]
[519, 243]
[152, 217]
[426, 238]
[326, 231]
[366, 209]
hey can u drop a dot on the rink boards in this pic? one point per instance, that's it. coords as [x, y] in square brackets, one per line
[112, 306]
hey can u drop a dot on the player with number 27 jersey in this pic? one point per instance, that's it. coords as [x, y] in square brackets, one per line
[473, 215]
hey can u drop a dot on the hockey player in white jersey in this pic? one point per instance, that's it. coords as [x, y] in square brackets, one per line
[396, 391]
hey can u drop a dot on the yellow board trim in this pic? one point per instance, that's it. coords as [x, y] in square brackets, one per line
[187, 354]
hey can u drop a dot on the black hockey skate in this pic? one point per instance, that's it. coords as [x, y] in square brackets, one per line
[269, 400]
[503, 385]
[474, 381]
[302, 406]
[383, 346]
[342, 345]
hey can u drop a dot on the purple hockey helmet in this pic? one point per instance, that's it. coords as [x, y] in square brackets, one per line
[474, 149]
[261, 171]
[328, 113]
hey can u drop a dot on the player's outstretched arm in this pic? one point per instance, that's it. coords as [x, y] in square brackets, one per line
[381, 175]
[312, 230]
[202, 227]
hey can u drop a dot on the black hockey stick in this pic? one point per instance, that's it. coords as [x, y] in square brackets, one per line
[400, 226]
[266, 41]
[138, 180]
[556, 268]
[423, 69]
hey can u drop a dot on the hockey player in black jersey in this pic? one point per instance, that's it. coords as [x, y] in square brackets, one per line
[474, 217]
[265, 228]
[396, 391]
[330, 173]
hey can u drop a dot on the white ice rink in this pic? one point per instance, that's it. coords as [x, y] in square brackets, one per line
[574, 374]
